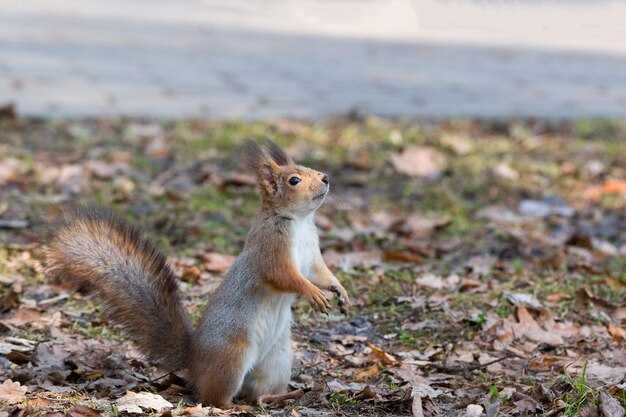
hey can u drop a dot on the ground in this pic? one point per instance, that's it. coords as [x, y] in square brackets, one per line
[486, 263]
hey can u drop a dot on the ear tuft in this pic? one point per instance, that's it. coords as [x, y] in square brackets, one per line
[277, 154]
[255, 156]
[263, 165]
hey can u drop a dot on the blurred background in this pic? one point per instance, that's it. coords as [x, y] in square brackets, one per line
[311, 58]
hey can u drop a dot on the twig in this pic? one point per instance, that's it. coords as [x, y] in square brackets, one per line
[470, 367]
[268, 400]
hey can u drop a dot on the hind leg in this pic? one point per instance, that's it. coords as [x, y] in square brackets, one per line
[271, 374]
[218, 373]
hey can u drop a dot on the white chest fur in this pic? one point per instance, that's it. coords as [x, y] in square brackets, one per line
[304, 244]
[274, 317]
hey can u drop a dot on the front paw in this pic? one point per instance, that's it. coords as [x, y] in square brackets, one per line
[317, 299]
[342, 295]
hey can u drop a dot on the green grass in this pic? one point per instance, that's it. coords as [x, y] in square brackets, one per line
[580, 395]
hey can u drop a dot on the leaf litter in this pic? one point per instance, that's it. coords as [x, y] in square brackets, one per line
[483, 284]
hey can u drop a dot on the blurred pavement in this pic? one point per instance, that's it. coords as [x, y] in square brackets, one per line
[310, 58]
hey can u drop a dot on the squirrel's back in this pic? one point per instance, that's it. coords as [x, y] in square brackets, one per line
[95, 247]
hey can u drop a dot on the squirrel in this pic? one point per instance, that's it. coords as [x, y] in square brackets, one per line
[241, 346]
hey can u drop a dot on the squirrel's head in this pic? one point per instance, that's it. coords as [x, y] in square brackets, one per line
[286, 188]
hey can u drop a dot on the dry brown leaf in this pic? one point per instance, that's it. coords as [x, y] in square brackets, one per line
[9, 169]
[216, 262]
[416, 406]
[610, 187]
[12, 392]
[429, 280]
[419, 226]
[468, 284]
[366, 393]
[609, 406]
[529, 328]
[134, 402]
[418, 161]
[558, 297]
[617, 331]
[599, 373]
[199, 410]
[619, 313]
[369, 372]
[399, 256]
[22, 317]
[82, 411]
[335, 259]
[338, 386]
[383, 356]
[157, 147]
[73, 178]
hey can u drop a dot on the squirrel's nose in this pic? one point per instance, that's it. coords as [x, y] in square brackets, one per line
[325, 179]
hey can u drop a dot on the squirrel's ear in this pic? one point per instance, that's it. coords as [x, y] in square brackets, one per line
[254, 153]
[278, 155]
[264, 166]
[268, 176]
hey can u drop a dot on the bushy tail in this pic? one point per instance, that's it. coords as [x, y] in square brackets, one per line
[94, 246]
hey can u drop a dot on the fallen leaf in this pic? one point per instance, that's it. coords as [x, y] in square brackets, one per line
[22, 317]
[558, 297]
[419, 226]
[157, 147]
[598, 372]
[16, 344]
[347, 261]
[617, 331]
[338, 386]
[12, 392]
[133, 402]
[82, 411]
[491, 410]
[383, 356]
[398, 256]
[237, 179]
[73, 179]
[19, 357]
[216, 262]
[8, 112]
[473, 410]
[429, 280]
[526, 300]
[590, 410]
[369, 372]
[505, 172]
[9, 300]
[497, 214]
[416, 406]
[366, 394]
[460, 145]
[417, 161]
[549, 206]
[425, 391]
[10, 168]
[529, 328]
[609, 406]
[610, 187]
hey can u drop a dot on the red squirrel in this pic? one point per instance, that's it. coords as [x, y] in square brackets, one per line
[242, 344]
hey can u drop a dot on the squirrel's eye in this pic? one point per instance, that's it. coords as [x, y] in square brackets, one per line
[294, 180]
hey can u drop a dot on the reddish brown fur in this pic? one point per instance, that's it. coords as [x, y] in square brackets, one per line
[141, 293]
[278, 270]
[95, 247]
[216, 374]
